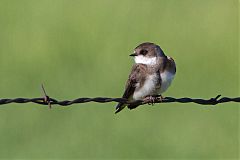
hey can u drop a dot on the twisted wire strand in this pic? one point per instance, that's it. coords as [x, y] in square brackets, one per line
[51, 101]
[46, 100]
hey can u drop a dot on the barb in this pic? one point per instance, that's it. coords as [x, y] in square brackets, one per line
[46, 97]
[46, 100]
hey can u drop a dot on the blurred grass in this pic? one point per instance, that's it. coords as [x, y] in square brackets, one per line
[81, 48]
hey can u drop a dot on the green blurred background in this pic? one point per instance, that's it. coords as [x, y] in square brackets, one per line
[80, 48]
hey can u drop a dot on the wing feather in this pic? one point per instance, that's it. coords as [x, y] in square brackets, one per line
[135, 79]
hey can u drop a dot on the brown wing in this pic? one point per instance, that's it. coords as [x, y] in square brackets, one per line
[170, 65]
[134, 78]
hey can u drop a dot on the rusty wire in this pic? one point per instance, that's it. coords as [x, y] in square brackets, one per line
[46, 100]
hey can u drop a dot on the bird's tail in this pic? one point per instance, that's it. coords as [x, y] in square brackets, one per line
[120, 107]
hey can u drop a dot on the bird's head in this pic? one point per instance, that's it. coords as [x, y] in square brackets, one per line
[147, 53]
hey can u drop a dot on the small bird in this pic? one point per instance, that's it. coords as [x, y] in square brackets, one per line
[151, 74]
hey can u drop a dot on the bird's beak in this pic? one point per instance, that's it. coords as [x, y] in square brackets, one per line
[133, 55]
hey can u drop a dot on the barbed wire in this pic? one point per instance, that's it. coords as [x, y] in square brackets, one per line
[46, 100]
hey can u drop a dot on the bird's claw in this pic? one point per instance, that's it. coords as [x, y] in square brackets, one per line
[160, 98]
[151, 100]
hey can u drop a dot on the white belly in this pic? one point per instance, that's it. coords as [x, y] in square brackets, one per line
[167, 78]
[148, 88]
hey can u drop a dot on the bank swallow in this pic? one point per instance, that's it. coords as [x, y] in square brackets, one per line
[151, 74]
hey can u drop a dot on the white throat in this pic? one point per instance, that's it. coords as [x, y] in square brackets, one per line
[145, 60]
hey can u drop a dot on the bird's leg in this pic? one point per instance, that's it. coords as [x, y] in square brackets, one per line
[160, 98]
[150, 99]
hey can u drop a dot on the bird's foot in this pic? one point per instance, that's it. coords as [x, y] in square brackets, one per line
[160, 98]
[150, 100]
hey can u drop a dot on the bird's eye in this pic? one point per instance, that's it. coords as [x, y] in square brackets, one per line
[143, 52]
